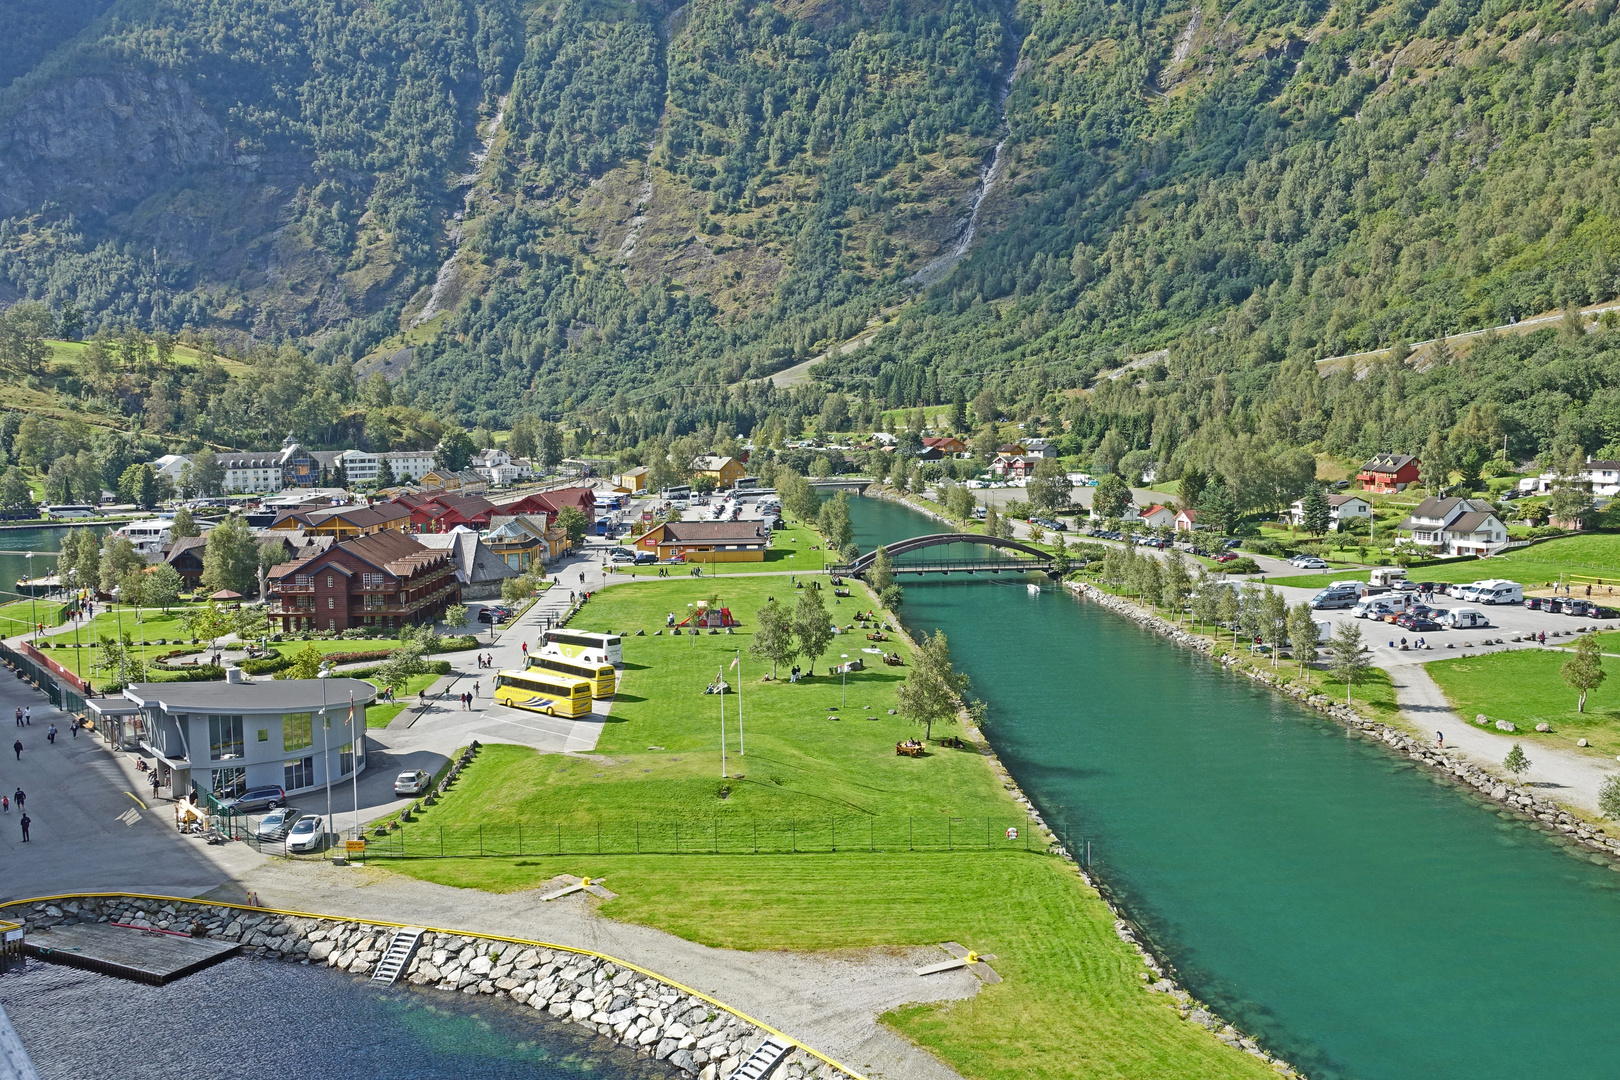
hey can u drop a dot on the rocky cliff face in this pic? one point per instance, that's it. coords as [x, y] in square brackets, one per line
[101, 143]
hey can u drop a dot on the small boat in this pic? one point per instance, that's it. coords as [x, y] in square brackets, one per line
[1034, 590]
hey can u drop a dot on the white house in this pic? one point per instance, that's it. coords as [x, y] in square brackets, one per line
[170, 465]
[1158, 516]
[1598, 477]
[1456, 526]
[408, 466]
[1340, 508]
[1041, 448]
[499, 467]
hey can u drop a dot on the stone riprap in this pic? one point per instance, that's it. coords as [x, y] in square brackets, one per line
[1550, 814]
[652, 1017]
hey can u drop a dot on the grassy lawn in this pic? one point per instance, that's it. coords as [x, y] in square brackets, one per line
[18, 617]
[1071, 1005]
[1073, 1001]
[379, 715]
[1524, 686]
[1582, 559]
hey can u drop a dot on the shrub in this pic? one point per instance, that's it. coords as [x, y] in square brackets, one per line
[267, 665]
[1241, 566]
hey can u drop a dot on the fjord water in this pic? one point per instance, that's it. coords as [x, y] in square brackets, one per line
[250, 1018]
[1362, 917]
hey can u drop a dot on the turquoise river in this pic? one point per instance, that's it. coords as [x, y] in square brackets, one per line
[1360, 916]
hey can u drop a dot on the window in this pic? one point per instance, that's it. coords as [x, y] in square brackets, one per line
[373, 600]
[331, 603]
[297, 731]
[264, 734]
[303, 581]
[224, 737]
[298, 773]
[346, 759]
[229, 783]
[331, 624]
[328, 581]
[372, 581]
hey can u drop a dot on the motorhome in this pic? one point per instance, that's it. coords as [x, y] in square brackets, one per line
[1388, 576]
[1381, 605]
[1334, 597]
[1494, 591]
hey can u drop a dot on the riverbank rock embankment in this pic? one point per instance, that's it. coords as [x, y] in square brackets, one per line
[652, 1017]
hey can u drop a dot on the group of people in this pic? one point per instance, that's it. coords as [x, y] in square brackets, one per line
[468, 697]
[19, 797]
[486, 660]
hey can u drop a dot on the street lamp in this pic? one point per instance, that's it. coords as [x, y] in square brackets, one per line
[33, 612]
[843, 693]
[326, 753]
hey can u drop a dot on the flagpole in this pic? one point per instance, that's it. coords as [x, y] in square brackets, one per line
[742, 746]
[720, 680]
[354, 767]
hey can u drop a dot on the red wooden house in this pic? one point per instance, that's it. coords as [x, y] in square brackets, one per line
[1388, 473]
[385, 579]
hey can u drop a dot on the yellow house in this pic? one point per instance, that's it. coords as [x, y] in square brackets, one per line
[346, 522]
[631, 481]
[726, 471]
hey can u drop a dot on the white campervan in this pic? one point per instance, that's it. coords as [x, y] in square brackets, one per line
[1496, 591]
[1464, 618]
[1388, 576]
[1381, 606]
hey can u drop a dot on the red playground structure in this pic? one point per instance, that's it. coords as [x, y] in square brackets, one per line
[707, 618]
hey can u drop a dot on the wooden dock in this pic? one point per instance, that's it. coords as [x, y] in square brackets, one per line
[142, 955]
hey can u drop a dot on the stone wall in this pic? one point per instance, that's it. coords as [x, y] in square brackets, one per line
[653, 1017]
[1547, 812]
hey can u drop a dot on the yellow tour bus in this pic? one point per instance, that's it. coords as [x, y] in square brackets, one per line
[603, 677]
[544, 691]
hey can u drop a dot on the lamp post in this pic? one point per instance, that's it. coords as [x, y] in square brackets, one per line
[326, 754]
[843, 692]
[354, 763]
[33, 612]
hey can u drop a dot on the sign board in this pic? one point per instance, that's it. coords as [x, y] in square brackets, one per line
[646, 517]
[355, 847]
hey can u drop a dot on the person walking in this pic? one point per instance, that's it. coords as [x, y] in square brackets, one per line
[525, 649]
[475, 688]
[74, 727]
[19, 716]
[28, 716]
[19, 798]
[17, 746]
[26, 821]
[5, 804]
[155, 783]
[50, 734]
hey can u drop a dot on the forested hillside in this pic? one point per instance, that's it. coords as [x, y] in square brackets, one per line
[678, 199]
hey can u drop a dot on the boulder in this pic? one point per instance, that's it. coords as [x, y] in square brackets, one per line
[1543, 727]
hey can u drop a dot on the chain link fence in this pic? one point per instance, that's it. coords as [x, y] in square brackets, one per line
[716, 836]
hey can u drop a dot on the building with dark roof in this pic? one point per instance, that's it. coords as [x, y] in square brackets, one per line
[345, 522]
[707, 541]
[478, 570]
[1387, 474]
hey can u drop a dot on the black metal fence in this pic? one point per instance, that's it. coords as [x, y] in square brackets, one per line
[716, 836]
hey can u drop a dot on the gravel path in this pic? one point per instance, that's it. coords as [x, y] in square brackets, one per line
[1565, 775]
[831, 1003]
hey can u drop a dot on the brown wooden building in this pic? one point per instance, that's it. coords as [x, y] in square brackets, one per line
[385, 579]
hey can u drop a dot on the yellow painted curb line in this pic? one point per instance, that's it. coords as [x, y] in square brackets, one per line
[138, 802]
[460, 933]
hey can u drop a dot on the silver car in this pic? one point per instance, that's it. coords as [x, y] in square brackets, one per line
[278, 823]
[412, 783]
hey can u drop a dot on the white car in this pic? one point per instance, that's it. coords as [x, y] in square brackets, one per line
[1308, 562]
[412, 783]
[307, 835]
[277, 823]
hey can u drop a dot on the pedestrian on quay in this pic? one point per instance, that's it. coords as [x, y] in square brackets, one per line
[17, 746]
[74, 727]
[28, 716]
[26, 821]
[19, 716]
[525, 648]
[50, 734]
[19, 798]
[475, 688]
[5, 804]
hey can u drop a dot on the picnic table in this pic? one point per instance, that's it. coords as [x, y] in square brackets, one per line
[909, 748]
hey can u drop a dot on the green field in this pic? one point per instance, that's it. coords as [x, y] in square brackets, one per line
[793, 549]
[1524, 686]
[1583, 559]
[379, 716]
[1073, 1002]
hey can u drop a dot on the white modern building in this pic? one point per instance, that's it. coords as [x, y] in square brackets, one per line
[1340, 508]
[501, 468]
[1456, 526]
[408, 466]
[227, 737]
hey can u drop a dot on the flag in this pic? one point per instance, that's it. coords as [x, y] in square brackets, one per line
[734, 663]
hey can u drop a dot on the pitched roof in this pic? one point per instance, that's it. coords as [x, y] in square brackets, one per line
[389, 550]
[1434, 509]
[1340, 500]
[1468, 523]
[710, 462]
[707, 532]
[474, 562]
[1388, 463]
[185, 544]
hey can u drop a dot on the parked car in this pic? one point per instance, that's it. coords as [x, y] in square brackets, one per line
[1328, 598]
[1534, 603]
[490, 615]
[1465, 619]
[1603, 613]
[412, 783]
[1311, 563]
[1418, 623]
[259, 798]
[646, 558]
[278, 823]
[307, 835]
[1578, 607]
[1225, 556]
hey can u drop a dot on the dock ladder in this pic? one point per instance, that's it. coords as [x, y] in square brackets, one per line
[393, 962]
[762, 1061]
